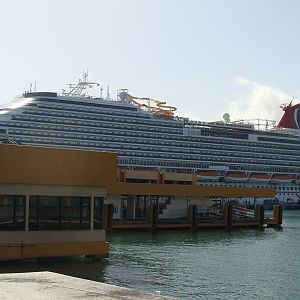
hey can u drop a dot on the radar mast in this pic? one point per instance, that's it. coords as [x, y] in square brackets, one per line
[76, 89]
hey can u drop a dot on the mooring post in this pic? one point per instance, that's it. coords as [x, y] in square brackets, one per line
[155, 216]
[277, 215]
[228, 215]
[192, 216]
[259, 214]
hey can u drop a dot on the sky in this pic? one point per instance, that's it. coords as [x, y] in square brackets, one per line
[206, 57]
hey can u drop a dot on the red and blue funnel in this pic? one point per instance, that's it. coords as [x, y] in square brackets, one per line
[291, 116]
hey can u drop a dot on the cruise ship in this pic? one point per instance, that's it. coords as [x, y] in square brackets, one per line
[147, 135]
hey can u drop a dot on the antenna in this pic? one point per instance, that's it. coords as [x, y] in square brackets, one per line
[85, 76]
[77, 89]
[35, 86]
[101, 89]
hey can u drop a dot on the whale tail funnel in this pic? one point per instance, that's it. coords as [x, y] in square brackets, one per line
[291, 116]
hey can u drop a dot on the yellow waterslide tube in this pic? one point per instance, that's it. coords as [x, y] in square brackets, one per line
[161, 108]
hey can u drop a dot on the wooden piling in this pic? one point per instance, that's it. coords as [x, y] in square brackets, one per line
[228, 215]
[153, 215]
[277, 215]
[192, 216]
[259, 214]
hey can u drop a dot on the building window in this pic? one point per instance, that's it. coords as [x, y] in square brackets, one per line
[59, 213]
[12, 212]
[141, 207]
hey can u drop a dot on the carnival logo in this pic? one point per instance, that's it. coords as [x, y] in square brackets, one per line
[297, 117]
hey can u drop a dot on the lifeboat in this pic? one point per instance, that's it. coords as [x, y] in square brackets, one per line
[260, 177]
[209, 175]
[281, 179]
[236, 177]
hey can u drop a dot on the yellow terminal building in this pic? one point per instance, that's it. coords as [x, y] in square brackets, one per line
[51, 201]
[58, 202]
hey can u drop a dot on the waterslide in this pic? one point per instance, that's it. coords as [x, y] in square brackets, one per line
[160, 109]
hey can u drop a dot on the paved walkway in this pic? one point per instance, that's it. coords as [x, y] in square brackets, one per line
[48, 285]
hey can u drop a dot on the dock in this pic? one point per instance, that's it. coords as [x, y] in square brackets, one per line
[48, 285]
[228, 216]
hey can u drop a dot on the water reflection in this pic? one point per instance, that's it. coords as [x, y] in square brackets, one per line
[77, 267]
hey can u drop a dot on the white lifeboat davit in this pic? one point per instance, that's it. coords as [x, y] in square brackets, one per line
[236, 177]
[281, 179]
[260, 177]
[209, 175]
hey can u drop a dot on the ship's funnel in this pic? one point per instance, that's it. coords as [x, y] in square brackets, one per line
[291, 116]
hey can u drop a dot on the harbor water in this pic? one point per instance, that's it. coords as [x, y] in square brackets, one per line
[218, 264]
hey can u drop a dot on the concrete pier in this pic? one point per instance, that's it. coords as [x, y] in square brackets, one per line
[48, 285]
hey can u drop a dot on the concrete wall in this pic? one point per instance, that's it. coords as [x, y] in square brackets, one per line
[62, 236]
[148, 175]
[188, 190]
[54, 166]
[177, 176]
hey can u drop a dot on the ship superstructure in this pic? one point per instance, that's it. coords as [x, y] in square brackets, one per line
[146, 135]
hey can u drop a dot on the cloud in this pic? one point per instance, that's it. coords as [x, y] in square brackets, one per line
[256, 100]
[239, 80]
